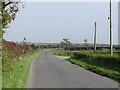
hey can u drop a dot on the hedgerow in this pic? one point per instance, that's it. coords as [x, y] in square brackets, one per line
[14, 51]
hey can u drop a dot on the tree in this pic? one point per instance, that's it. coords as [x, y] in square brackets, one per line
[65, 43]
[25, 44]
[8, 10]
[86, 43]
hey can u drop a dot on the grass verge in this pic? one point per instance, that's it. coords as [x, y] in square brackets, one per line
[61, 52]
[102, 64]
[17, 76]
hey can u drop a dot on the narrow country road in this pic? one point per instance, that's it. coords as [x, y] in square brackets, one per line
[49, 71]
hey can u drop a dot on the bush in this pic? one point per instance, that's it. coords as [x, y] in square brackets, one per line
[103, 59]
[13, 51]
[79, 55]
[6, 56]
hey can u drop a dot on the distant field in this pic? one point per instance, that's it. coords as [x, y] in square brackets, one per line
[100, 62]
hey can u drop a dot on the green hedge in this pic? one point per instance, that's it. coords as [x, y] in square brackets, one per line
[103, 64]
[99, 59]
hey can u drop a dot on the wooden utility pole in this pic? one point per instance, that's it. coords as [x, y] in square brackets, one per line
[95, 37]
[111, 47]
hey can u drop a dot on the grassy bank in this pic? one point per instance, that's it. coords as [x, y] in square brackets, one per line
[103, 64]
[16, 77]
[100, 62]
[61, 52]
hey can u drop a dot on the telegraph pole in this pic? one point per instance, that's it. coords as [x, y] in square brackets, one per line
[111, 47]
[95, 37]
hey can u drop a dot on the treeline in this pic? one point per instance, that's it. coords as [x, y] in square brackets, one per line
[14, 51]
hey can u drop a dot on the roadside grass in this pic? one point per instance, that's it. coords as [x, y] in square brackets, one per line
[103, 64]
[100, 62]
[17, 76]
[61, 52]
[98, 70]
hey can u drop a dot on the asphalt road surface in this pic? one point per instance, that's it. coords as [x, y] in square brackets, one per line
[49, 71]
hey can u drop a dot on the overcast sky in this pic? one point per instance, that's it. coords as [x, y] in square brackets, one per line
[51, 22]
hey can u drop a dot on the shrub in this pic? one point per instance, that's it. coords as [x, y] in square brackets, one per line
[13, 51]
[102, 60]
